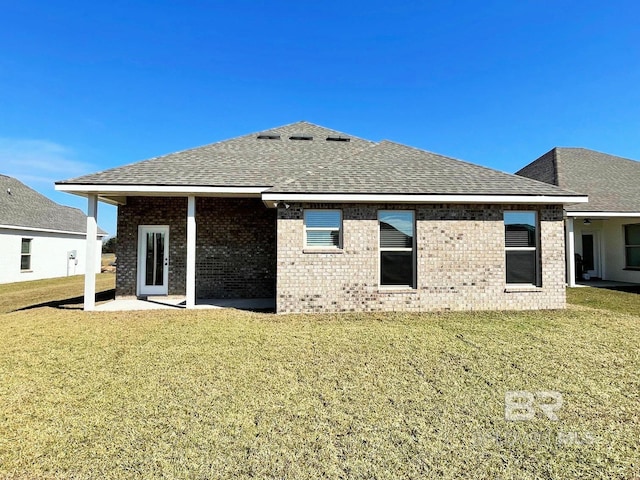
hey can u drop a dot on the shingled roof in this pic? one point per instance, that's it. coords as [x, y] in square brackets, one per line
[247, 161]
[307, 158]
[21, 206]
[390, 167]
[612, 183]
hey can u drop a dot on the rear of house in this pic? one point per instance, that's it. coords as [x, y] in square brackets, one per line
[324, 221]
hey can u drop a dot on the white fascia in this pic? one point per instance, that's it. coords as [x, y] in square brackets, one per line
[603, 214]
[399, 198]
[46, 230]
[169, 190]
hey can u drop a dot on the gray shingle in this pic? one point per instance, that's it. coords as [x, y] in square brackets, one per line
[24, 207]
[612, 183]
[240, 162]
[398, 169]
[318, 166]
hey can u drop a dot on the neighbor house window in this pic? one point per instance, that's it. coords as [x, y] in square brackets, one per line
[323, 228]
[632, 245]
[397, 259]
[521, 245]
[25, 256]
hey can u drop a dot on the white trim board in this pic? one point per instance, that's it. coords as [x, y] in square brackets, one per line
[47, 230]
[158, 189]
[602, 214]
[402, 198]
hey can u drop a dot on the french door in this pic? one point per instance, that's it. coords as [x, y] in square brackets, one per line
[153, 260]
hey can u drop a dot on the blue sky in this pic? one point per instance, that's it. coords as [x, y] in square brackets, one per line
[86, 86]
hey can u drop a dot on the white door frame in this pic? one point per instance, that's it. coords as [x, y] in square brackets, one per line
[597, 252]
[143, 289]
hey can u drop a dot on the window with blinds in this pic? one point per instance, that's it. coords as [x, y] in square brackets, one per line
[323, 228]
[521, 247]
[632, 245]
[397, 252]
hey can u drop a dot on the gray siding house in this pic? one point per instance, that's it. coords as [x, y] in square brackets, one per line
[603, 234]
[323, 221]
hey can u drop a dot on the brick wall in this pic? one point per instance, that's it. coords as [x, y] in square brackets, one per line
[460, 260]
[235, 245]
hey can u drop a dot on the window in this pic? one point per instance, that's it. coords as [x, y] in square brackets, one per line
[632, 245]
[397, 258]
[521, 240]
[323, 228]
[25, 255]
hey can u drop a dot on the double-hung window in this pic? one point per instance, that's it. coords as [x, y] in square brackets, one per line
[632, 245]
[521, 247]
[397, 248]
[323, 229]
[25, 254]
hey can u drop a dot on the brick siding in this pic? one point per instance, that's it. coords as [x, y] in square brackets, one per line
[460, 261]
[235, 245]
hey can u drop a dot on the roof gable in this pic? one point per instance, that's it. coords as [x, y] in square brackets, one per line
[612, 183]
[21, 206]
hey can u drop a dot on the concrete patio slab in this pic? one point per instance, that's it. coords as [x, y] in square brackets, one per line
[158, 303]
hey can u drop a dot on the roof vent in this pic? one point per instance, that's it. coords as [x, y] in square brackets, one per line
[268, 136]
[338, 139]
[300, 137]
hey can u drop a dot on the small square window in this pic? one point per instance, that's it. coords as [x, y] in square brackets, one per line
[323, 228]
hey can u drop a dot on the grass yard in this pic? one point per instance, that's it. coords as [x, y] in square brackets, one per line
[228, 394]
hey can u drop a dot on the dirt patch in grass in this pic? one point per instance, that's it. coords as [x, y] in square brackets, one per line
[228, 394]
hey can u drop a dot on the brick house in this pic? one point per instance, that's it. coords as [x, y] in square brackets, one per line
[605, 232]
[323, 221]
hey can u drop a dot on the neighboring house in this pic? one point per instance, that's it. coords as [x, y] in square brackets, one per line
[325, 221]
[38, 237]
[605, 232]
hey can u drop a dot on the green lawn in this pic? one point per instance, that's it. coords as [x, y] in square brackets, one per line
[228, 394]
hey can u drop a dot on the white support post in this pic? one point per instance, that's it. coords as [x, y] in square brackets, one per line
[191, 252]
[92, 253]
[570, 249]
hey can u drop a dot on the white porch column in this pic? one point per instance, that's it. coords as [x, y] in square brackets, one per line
[92, 253]
[191, 252]
[570, 249]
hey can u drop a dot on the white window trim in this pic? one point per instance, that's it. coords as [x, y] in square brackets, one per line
[626, 246]
[535, 249]
[306, 246]
[30, 241]
[398, 249]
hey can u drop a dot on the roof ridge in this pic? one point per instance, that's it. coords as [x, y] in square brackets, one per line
[598, 152]
[448, 158]
[208, 145]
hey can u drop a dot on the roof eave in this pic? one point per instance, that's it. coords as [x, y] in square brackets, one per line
[117, 194]
[272, 198]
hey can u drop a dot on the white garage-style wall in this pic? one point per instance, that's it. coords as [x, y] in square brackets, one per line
[49, 255]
